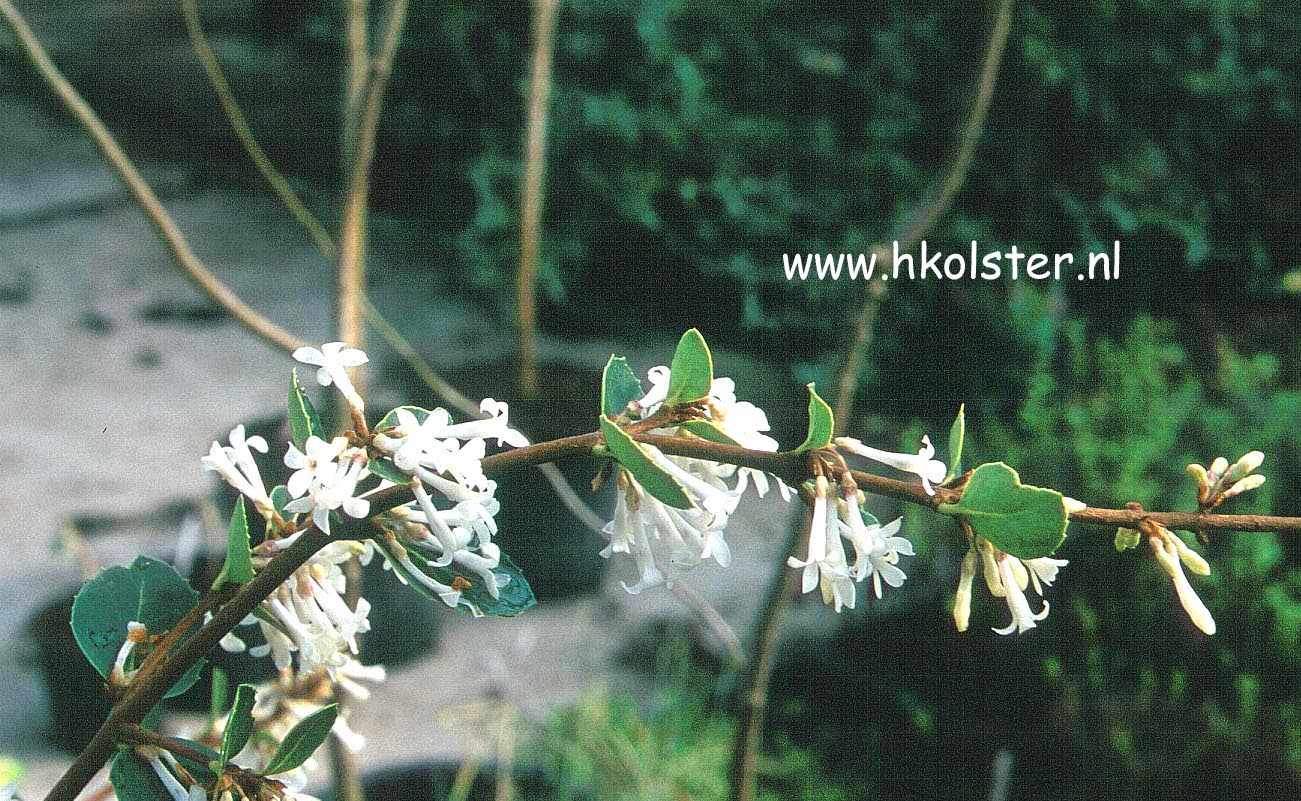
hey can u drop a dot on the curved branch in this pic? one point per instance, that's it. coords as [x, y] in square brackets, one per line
[244, 132]
[923, 218]
[163, 224]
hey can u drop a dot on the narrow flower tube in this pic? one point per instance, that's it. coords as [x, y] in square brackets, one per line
[930, 470]
[1167, 555]
[962, 599]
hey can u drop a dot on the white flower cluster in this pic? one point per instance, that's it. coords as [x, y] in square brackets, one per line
[877, 548]
[307, 615]
[1006, 577]
[664, 541]
[453, 519]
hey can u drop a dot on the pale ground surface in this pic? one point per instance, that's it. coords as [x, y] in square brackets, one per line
[106, 412]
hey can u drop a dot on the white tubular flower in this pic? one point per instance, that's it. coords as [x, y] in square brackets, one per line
[824, 565]
[877, 548]
[1043, 571]
[1073, 505]
[1023, 619]
[720, 503]
[235, 464]
[333, 489]
[1169, 551]
[136, 634]
[173, 786]
[962, 599]
[931, 470]
[659, 380]
[333, 360]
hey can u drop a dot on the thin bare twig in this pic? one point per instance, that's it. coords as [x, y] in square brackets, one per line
[531, 201]
[917, 224]
[162, 221]
[244, 132]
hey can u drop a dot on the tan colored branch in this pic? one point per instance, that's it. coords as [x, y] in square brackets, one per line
[917, 224]
[162, 221]
[244, 132]
[545, 13]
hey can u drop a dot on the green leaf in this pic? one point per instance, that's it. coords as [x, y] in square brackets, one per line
[390, 420]
[280, 497]
[388, 471]
[238, 568]
[619, 386]
[303, 740]
[636, 460]
[134, 780]
[1026, 522]
[514, 595]
[957, 433]
[706, 429]
[220, 691]
[239, 726]
[822, 424]
[150, 592]
[692, 372]
[304, 422]
[1127, 538]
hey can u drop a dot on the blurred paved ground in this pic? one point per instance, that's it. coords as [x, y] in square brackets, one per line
[114, 375]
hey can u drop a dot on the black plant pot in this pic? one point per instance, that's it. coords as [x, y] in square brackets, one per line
[78, 704]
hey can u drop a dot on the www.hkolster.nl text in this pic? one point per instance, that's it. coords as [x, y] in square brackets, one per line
[970, 265]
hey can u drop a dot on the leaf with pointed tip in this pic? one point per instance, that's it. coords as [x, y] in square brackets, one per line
[692, 372]
[303, 740]
[634, 458]
[822, 423]
[619, 386]
[148, 592]
[1024, 521]
[239, 724]
[304, 421]
[514, 595]
[238, 567]
[957, 435]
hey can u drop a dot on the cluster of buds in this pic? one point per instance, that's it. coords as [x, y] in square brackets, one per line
[1173, 554]
[1006, 577]
[1222, 481]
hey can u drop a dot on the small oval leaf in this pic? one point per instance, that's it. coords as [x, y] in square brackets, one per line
[957, 435]
[619, 386]
[304, 421]
[238, 567]
[148, 591]
[239, 724]
[692, 371]
[303, 740]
